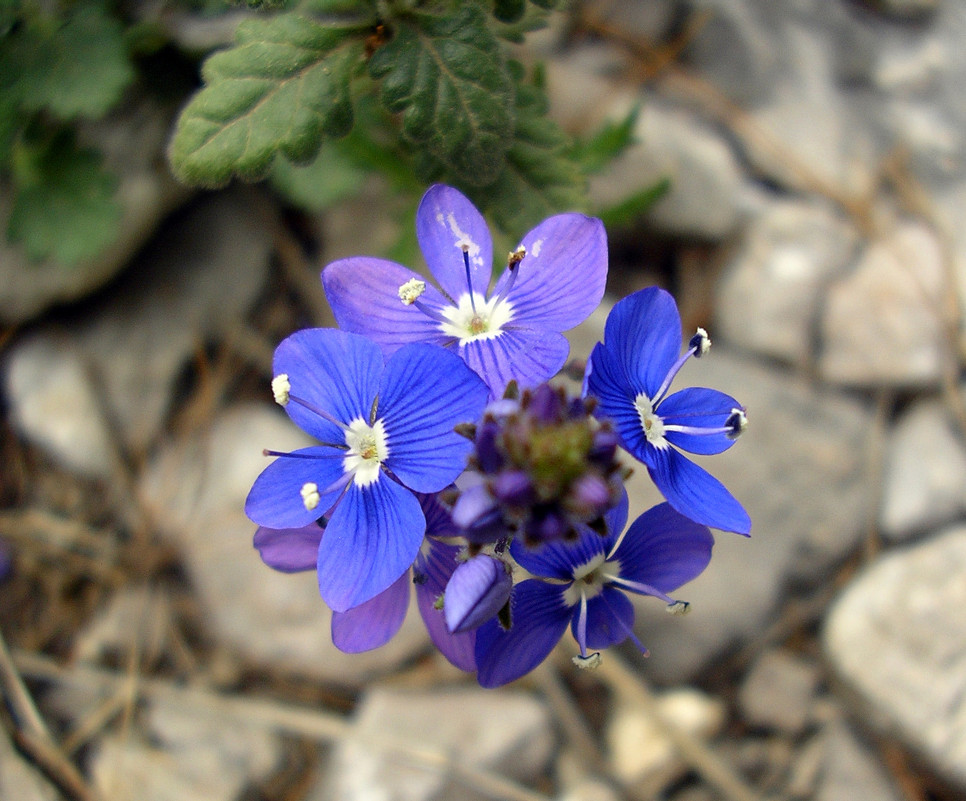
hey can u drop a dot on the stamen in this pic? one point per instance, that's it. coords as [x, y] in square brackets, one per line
[697, 347]
[469, 283]
[678, 608]
[281, 388]
[316, 410]
[582, 626]
[700, 342]
[267, 452]
[310, 495]
[513, 259]
[411, 290]
[589, 662]
[737, 422]
[638, 586]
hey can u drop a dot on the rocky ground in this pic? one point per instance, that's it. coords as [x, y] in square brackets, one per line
[818, 167]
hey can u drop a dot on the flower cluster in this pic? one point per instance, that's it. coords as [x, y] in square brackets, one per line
[447, 462]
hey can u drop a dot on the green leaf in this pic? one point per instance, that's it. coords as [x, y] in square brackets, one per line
[539, 179]
[606, 144]
[64, 206]
[76, 67]
[314, 187]
[509, 10]
[281, 88]
[448, 78]
[628, 210]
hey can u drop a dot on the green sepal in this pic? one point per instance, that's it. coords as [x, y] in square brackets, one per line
[447, 77]
[282, 87]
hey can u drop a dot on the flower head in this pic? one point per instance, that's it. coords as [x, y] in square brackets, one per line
[553, 280]
[630, 374]
[544, 468]
[583, 584]
[386, 431]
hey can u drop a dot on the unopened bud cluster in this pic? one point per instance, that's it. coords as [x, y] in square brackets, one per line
[545, 466]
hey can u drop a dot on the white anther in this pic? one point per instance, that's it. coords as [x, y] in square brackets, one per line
[411, 290]
[514, 257]
[281, 388]
[310, 495]
[589, 662]
[678, 608]
[703, 342]
[738, 421]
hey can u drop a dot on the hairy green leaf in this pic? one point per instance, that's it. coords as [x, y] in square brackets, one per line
[64, 206]
[539, 179]
[448, 78]
[281, 88]
[77, 66]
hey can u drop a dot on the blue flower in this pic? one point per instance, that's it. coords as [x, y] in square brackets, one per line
[386, 431]
[630, 374]
[373, 623]
[553, 281]
[583, 584]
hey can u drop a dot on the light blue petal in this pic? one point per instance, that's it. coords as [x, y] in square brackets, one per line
[434, 566]
[289, 550]
[364, 295]
[703, 408]
[697, 494]
[529, 357]
[561, 279]
[610, 619]
[332, 370]
[427, 391]
[370, 541]
[477, 590]
[539, 619]
[607, 382]
[444, 220]
[373, 623]
[275, 499]
[643, 332]
[664, 549]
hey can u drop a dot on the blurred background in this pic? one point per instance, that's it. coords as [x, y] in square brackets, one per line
[812, 160]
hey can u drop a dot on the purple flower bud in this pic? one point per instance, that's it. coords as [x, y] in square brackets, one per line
[478, 516]
[513, 487]
[546, 405]
[546, 528]
[591, 496]
[487, 453]
[604, 447]
[476, 591]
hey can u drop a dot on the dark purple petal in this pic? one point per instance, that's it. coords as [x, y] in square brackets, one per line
[561, 279]
[371, 539]
[275, 499]
[513, 487]
[607, 381]
[477, 590]
[334, 371]
[364, 295]
[616, 519]
[702, 408]
[289, 550]
[426, 391]
[527, 356]
[610, 619]
[539, 619]
[446, 221]
[643, 333]
[559, 560]
[663, 549]
[697, 494]
[434, 566]
[439, 521]
[374, 623]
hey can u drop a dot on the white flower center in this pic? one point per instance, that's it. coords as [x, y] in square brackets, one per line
[589, 581]
[652, 424]
[485, 322]
[368, 449]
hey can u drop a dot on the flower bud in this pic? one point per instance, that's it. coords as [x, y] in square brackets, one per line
[476, 592]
